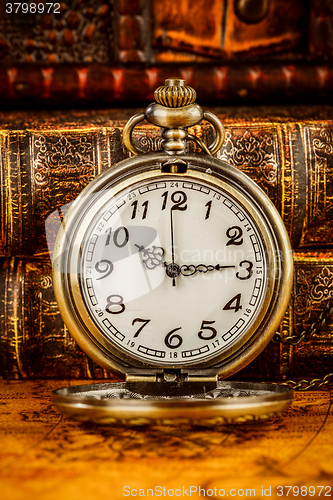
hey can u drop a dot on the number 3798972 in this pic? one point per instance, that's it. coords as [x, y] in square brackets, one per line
[32, 8]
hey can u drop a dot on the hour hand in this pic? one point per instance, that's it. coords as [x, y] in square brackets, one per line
[151, 257]
[200, 268]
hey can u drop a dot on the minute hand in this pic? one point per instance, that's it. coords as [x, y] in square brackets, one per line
[189, 270]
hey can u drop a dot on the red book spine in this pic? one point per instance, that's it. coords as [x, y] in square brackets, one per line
[94, 83]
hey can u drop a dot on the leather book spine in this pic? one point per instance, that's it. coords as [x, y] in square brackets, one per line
[44, 169]
[35, 343]
[244, 83]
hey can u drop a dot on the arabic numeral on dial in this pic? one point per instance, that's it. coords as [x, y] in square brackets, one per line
[234, 233]
[120, 236]
[205, 335]
[140, 320]
[124, 236]
[247, 267]
[173, 340]
[233, 304]
[209, 206]
[145, 205]
[165, 197]
[116, 302]
[135, 206]
[178, 198]
[108, 238]
[104, 266]
[99, 312]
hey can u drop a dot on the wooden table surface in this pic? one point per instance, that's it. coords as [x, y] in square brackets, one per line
[44, 456]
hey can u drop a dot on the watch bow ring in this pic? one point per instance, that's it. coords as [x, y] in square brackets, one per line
[175, 111]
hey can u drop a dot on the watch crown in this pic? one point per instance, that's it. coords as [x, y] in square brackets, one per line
[174, 111]
[175, 93]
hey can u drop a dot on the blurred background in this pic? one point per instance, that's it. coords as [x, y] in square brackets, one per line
[118, 51]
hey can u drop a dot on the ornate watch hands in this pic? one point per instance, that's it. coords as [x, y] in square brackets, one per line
[172, 269]
[151, 257]
[200, 268]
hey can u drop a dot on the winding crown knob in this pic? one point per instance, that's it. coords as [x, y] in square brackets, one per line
[174, 112]
[175, 93]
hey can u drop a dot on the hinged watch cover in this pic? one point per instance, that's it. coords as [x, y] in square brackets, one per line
[173, 270]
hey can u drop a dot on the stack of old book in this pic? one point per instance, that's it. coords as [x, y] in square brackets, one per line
[48, 158]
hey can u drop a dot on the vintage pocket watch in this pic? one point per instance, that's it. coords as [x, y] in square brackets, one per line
[172, 270]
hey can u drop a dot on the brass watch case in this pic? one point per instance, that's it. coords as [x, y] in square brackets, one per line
[191, 393]
[152, 166]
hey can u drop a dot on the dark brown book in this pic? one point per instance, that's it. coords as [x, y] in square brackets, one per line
[82, 51]
[321, 28]
[35, 343]
[312, 292]
[101, 84]
[227, 29]
[47, 158]
[97, 31]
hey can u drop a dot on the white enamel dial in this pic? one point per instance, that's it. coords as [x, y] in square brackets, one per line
[173, 270]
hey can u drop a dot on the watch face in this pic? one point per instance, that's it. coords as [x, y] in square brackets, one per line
[173, 270]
